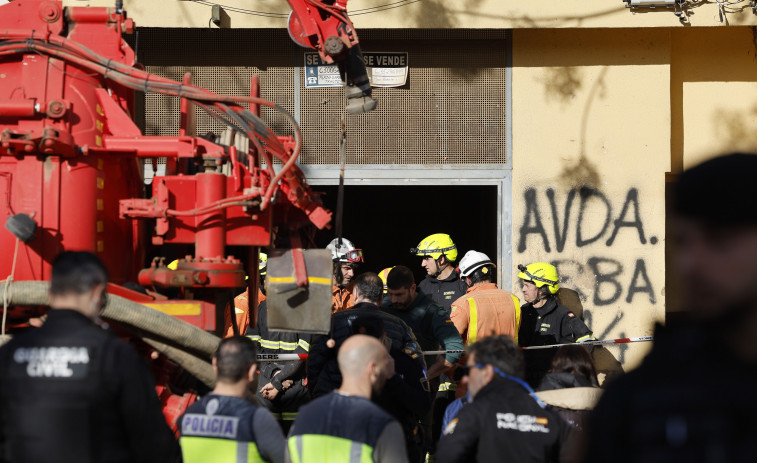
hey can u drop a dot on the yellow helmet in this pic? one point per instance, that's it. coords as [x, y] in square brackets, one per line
[435, 245]
[173, 265]
[541, 274]
[383, 274]
[263, 263]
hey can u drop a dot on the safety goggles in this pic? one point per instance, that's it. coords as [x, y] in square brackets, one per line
[354, 257]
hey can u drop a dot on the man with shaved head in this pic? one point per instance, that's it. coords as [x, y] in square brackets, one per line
[345, 426]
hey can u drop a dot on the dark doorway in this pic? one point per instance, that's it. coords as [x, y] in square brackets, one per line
[386, 221]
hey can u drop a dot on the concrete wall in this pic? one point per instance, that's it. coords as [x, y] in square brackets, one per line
[591, 136]
[497, 14]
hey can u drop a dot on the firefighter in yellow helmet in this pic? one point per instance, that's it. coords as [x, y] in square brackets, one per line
[242, 301]
[442, 283]
[383, 274]
[544, 321]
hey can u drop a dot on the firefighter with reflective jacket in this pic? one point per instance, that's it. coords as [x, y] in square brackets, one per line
[484, 310]
[543, 320]
[442, 283]
[281, 385]
[346, 258]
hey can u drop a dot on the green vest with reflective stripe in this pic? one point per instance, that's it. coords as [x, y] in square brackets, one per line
[308, 448]
[210, 449]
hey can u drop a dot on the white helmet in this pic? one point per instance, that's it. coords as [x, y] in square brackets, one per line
[346, 252]
[472, 261]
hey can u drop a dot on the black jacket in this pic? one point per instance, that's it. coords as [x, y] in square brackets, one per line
[322, 369]
[72, 392]
[562, 380]
[444, 292]
[504, 423]
[692, 399]
[280, 342]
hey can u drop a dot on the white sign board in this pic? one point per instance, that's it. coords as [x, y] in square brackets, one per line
[384, 70]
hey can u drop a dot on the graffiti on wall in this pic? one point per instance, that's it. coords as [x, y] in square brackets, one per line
[586, 219]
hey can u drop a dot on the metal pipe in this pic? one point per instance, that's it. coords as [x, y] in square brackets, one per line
[210, 239]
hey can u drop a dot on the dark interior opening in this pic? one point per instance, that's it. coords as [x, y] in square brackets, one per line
[386, 221]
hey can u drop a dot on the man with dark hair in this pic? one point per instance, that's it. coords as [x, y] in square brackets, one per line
[430, 323]
[504, 421]
[322, 368]
[692, 398]
[70, 390]
[345, 426]
[223, 426]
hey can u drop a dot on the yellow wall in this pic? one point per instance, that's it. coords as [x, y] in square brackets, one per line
[429, 14]
[591, 137]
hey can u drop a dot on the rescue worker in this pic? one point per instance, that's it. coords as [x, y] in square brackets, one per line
[503, 421]
[544, 321]
[434, 329]
[242, 301]
[281, 384]
[70, 391]
[346, 258]
[692, 398]
[322, 368]
[485, 310]
[442, 283]
[223, 426]
[345, 426]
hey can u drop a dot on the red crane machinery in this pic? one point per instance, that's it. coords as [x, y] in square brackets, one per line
[71, 177]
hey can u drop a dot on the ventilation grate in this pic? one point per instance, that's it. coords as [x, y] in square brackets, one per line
[451, 111]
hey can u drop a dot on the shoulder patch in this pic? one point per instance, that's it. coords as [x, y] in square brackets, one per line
[570, 314]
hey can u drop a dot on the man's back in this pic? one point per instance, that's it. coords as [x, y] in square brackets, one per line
[422, 317]
[336, 427]
[223, 428]
[486, 311]
[73, 392]
[503, 423]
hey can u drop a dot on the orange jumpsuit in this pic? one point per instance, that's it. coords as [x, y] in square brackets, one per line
[341, 298]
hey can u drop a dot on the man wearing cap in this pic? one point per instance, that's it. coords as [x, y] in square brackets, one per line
[692, 399]
[484, 310]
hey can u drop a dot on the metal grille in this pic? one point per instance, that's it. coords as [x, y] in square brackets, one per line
[451, 111]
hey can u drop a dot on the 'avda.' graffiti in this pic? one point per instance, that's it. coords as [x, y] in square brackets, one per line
[608, 273]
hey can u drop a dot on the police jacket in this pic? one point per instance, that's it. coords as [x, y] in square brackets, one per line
[224, 428]
[72, 392]
[338, 428]
[444, 292]
[692, 399]
[322, 369]
[504, 423]
[431, 324]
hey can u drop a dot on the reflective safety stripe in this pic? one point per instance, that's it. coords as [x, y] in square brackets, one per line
[304, 344]
[473, 325]
[516, 301]
[280, 345]
[447, 387]
[307, 448]
[287, 416]
[588, 337]
[205, 449]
